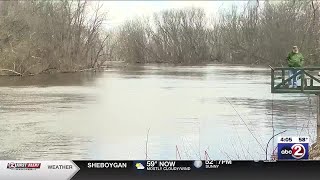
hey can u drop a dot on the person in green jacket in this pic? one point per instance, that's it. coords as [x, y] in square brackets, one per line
[295, 59]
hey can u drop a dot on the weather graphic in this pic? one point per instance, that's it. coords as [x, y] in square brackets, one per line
[197, 164]
[139, 166]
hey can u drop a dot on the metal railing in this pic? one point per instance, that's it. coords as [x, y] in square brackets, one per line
[309, 81]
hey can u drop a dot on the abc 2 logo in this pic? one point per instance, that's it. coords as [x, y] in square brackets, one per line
[293, 151]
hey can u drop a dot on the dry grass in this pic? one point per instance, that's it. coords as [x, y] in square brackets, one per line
[315, 151]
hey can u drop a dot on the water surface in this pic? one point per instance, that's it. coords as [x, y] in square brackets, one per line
[171, 112]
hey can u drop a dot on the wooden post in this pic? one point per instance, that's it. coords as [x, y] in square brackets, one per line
[318, 110]
[283, 74]
[272, 81]
[302, 81]
[318, 134]
[318, 119]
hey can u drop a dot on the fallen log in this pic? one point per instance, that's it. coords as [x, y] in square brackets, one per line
[15, 73]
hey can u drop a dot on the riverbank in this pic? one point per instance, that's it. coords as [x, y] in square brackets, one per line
[315, 148]
[9, 72]
[315, 151]
[118, 64]
[123, 64]
[126, 65]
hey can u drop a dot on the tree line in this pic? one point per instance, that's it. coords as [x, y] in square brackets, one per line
[45, 36]
[259, 34]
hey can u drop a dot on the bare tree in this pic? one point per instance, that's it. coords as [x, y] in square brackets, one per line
[50, 35]
[41, 36]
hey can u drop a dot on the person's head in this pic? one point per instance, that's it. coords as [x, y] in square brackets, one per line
[295, 49]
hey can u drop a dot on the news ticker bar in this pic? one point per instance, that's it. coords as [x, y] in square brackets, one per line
[65, 170]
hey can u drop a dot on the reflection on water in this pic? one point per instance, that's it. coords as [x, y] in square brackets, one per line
[46, 80]
[227, 111]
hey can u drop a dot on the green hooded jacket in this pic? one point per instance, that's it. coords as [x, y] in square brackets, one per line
[295, 59]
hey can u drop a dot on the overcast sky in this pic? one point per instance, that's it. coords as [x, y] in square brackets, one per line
[119, 11]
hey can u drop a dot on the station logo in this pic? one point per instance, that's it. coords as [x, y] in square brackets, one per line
[293, 148]
[296, 151]
[23, 166]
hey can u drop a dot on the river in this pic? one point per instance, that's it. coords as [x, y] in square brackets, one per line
[170, 112]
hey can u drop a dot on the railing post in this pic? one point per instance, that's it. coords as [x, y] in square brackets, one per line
[283, 76]
[272, 80]
[302, 80]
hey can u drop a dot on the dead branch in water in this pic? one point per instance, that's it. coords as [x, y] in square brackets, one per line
[245, 124]
[12, 71]
[89, 69]
[147, 144]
